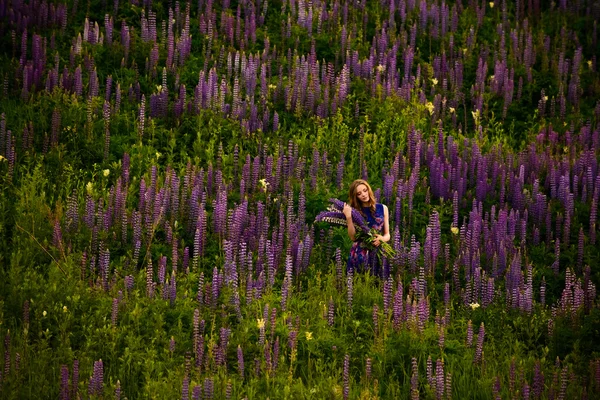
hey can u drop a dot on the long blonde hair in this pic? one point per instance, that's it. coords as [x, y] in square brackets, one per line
[353, 199]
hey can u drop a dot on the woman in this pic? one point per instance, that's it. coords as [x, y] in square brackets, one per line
[376, 215]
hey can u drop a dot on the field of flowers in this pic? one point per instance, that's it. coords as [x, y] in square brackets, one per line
[162, 165]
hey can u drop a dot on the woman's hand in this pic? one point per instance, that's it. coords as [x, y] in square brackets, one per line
[347, 211]
[378, 240]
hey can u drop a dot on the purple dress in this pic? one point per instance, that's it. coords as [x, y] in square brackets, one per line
[361, 258]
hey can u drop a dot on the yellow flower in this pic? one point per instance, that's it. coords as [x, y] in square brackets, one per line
[381, 68]
[434, 81]
[44, 313]
[430, 107]
[309, 336]
[476, 116]
[2, 158]
[454, 230]
[65, 309]
[452, 110]
[263, 182]
[590, 63]
[474, 305]
[89, 187]
[491, 4]
[106, 172]
[260, 322]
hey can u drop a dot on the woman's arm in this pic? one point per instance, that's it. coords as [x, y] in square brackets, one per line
[348, 213]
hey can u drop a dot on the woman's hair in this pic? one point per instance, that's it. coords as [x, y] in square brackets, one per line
[354, 202]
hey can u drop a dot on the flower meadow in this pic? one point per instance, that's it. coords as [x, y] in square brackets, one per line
[166, 170]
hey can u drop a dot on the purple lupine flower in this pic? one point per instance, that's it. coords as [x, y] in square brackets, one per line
[228, 391]
[64, 382]
[200, 296]
[173, 289]
[272, 321]
[186, 258]
[240, 357]
[340, 172]
[118, 390]
[114, 312]
[332, 217]
[346, 376]
[414, 380]
[349, 283]
[479, 348]
[368, 368]
[538, 380]
[330, 312]
[526, 391]
[215, 288]
[292, 339]
[96, 386]
[387, 295]
[376, 318]
[141, 117]
[104, 262]
[57, 240]
[75, 380]
[469, 334]
[185, 389]
[106, 116]
[429, 371]
[149, 278]
[563, 383]
[398, 307]
[439, 379]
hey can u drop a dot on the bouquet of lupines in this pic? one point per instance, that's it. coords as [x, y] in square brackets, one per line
[364, 234]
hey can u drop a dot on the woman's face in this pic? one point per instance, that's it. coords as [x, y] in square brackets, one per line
[362, 193]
